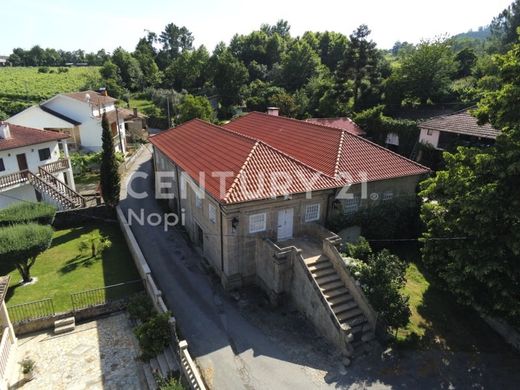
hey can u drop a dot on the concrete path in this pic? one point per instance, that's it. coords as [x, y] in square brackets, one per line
[241, 344]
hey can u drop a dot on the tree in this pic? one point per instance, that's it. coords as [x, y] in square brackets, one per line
[110, 181]
[174, 40]
[25, 212]
[299, 65]
[466, 60]
[426, 72]
[474, 204]
[504, 27]
[94, 242]
[382, 278]
[130, 71]
[188, 71]
[21, 245]
[230, 75]
[195, 107]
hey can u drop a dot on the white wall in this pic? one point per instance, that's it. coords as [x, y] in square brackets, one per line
[107, 108]
[72, 108]
[32, 155]
[36, 118]
[90, 134]
[25, 192]
[432, 139]
[392, 139]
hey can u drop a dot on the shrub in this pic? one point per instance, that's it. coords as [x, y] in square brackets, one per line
[360, 250]
[170, 383]
[154, 335]
[140, 307]
[27, 365]
[21, 244]
[382, 278]
[43, 69]
[25, 212]
[95, 242]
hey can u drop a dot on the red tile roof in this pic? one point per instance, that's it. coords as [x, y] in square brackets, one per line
[342, 123]
[256, 146]
[25, 136]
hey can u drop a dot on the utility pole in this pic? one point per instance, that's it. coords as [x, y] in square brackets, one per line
[168, 108]
[119, 131]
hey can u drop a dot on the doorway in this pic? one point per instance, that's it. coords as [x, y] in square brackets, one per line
[22, 162]
[285, 224]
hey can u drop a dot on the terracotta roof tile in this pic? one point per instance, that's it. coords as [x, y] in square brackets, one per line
[342, 123]
[25, 136]
[257, 146]
[461, 122]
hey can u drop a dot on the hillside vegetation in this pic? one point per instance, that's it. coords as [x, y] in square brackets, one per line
[21, 87]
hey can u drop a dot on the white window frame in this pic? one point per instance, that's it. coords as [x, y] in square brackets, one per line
[212, 213]
[312, 212]
[429, 132]
[387, 195]
[259, 225]
[351, 206]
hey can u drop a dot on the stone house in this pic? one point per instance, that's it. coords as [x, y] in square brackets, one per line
[255, 194]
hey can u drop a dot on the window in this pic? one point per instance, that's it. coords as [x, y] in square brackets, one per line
[2, 166]
[198, 201]
[351, 206]
[257, 223]
[429, 132]
[388, 195]
[212, 213]
[45, 154]
[312, 212]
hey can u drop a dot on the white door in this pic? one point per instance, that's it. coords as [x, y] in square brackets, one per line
[285, 224]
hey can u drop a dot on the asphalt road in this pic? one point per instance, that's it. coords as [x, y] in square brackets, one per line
[240, 346]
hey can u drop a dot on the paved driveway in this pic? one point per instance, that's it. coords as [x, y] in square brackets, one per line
[241, 344]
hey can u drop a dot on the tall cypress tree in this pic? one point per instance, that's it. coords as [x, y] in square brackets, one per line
[110, 180]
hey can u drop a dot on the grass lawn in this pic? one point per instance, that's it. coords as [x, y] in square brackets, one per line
[87, 178]
[63, 269]
[437, 320]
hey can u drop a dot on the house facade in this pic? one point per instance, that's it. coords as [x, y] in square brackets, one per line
[231, 210]
[254, 196]
[7, 337]
[446, 132]
[78, 115]
[35, 166]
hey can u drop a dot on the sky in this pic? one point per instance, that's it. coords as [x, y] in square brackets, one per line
[107, 24]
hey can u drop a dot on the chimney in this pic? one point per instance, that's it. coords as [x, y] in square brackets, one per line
[135, 112]
[5, 133]
[273, 111]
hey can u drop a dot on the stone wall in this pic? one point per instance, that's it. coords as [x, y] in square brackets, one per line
[78, 217]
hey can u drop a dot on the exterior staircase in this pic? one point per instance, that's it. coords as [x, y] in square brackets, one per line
[57, 190]
[163, 365]
[342, 304]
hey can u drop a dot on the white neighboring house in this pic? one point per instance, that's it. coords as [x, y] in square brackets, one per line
[35, 166]
[78, 114]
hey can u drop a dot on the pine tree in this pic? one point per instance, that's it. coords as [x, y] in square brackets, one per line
[110, 180]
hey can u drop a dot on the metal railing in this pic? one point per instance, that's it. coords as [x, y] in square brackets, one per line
[104, 295]
[5, 348]
[31, 310]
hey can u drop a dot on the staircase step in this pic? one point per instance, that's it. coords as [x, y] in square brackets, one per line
[163, 365]
[340, 299]
[320, 266]
[356, 321]
[342, 317]
[154, 365]
[335, 292]
[328, 279]
[320, 260]
[64, 321]
[323, 272]
[331, 285]
[148, 375]
[337, 309]
[171, 360]
[64, 329]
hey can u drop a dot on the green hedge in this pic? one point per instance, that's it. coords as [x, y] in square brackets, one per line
[24, 241]
[25, 212]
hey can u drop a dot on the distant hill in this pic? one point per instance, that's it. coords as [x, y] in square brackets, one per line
[482, 33]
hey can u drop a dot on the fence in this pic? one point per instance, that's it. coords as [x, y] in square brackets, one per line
[104, 295]
[31, 310]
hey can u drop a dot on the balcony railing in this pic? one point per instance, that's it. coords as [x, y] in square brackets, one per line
[57, 166]
[13, 179]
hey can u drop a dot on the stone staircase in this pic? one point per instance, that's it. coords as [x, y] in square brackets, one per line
[64, 325]
[341, 303]
[163, 365]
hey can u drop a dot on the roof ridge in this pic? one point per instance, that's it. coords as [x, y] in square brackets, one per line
[50, 132]
[461, 111]
[292, 120]
[242, 168]
[340, 152]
